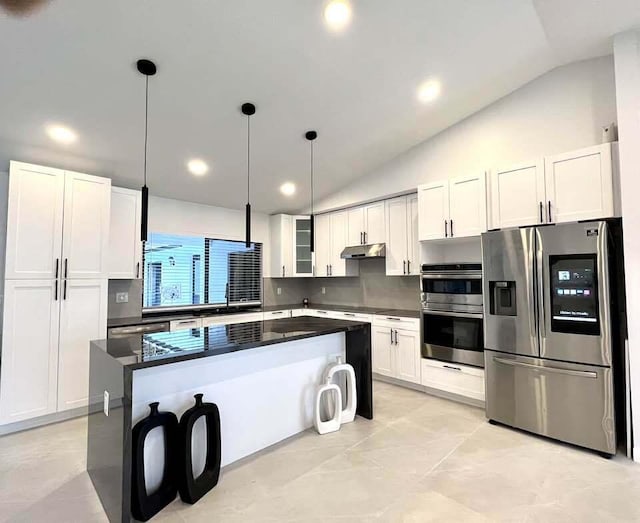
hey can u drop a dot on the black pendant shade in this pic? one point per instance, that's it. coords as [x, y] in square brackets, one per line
[311, 136]
[147, 68]
[248, 109]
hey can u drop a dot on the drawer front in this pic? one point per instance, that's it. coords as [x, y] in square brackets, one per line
[397, 322]
[301, 312]
[565, 401]
[453, 378]
[193, 323]
[274, 315]
[228, 319]
[352, 316]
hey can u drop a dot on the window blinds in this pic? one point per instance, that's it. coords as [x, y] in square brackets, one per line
[191, 272]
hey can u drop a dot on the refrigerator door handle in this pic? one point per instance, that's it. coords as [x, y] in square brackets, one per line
[541, 285]
[532, 289]
[555, 370]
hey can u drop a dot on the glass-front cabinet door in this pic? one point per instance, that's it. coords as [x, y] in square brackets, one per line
[302, 259]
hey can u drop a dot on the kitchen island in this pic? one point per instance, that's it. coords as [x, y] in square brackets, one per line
[262, 375]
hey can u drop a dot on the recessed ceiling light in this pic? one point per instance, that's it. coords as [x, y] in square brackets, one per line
[197, 167]
[288, 189]
[61, 134]
[337, 14]
[429, 91]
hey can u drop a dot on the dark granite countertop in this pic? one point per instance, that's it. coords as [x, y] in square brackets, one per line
[159, 318]
[150, 350]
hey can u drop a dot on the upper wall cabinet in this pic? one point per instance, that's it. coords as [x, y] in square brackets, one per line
[331, 238]
[125, 247]
[402, 236]
[579, 185]
[281, 246]
[302, 261]
[453, 208]
[572, 186]
[366, 224]
[517, 195]
[41, 200]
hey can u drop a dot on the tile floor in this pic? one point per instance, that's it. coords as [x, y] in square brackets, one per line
[422, 459]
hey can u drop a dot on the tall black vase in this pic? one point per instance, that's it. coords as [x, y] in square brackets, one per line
[191, 488]
[144, 506]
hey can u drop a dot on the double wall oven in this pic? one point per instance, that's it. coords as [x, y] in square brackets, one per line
[452, 313]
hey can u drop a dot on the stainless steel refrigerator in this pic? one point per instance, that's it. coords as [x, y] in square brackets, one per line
[548, 332]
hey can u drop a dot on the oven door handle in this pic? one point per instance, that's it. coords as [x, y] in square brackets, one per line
[452, 276]
[474, 315]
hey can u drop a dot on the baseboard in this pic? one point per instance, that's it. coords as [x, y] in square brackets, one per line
[428, 390]
[41, 421]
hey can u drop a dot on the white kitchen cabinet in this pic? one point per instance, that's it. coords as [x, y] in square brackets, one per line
[85, 233]
[338, 242]
[396, 348]
[382, 356]
[517, 195]
[281, 245]
[186, 323]
[34, 221]
[276, 315]
[579, 185]
[433, 204]
[453, 378]
[29, 371]
[401, 236]
[228, 319]
[322, 253]
[453, 208]
[125, 247]
[467, 206]
[366, 224]
[302, 259]
[83, 317]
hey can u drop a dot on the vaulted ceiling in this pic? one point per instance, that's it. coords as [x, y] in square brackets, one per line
[73, 62]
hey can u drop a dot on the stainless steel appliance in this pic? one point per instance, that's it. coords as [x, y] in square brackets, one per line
[548, 332]
[452, 313]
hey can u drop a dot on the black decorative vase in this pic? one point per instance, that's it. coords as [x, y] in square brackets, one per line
[144, 506]
[191, 488]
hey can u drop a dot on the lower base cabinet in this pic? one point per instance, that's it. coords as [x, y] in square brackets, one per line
[454, 378]
[396, 349]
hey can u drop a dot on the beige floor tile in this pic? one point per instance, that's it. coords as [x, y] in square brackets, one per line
[430, 507]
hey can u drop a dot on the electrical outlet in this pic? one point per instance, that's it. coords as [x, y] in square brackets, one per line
[279, 291]
[122, 297]
[324, 290]
[105, 406]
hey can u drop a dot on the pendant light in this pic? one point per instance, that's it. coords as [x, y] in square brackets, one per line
[311, 136]
[248, 109]
[147, 68]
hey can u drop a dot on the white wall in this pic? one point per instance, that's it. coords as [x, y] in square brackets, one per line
[627, 69]
[179, 217]
[559, 111]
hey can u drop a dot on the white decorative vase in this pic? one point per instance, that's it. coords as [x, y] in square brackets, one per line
[332, 424]
[345, 376]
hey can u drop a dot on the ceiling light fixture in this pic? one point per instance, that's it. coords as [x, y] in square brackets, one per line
[311, 136]
[428, 91]
[147, 68]
[337, 14]
[288, 189]
[197, 167]
[61, 134]
[248, 109]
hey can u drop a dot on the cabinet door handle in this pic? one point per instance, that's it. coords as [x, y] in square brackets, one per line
[66, 267]
[396, 337]
[56, 293]
[283, 271]
[327, 270]
[138, 270]
[446, 230]
[361, 241]
[451, 227]
[391, 332]
[365, 236]
[541, 217]
[408, 266]
[549, 208]
[404, 266]
[64, 290]
[57, 270]
[330, 270]
[452, 368]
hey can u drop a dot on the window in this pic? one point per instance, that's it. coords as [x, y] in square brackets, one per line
[190, 272]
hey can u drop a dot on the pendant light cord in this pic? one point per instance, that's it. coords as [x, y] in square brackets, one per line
[312, 177]
[146, 125]
[248, 156]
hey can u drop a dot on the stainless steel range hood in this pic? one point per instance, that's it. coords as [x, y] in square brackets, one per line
[375, 250]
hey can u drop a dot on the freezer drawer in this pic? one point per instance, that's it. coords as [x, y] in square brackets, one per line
[565, 401]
